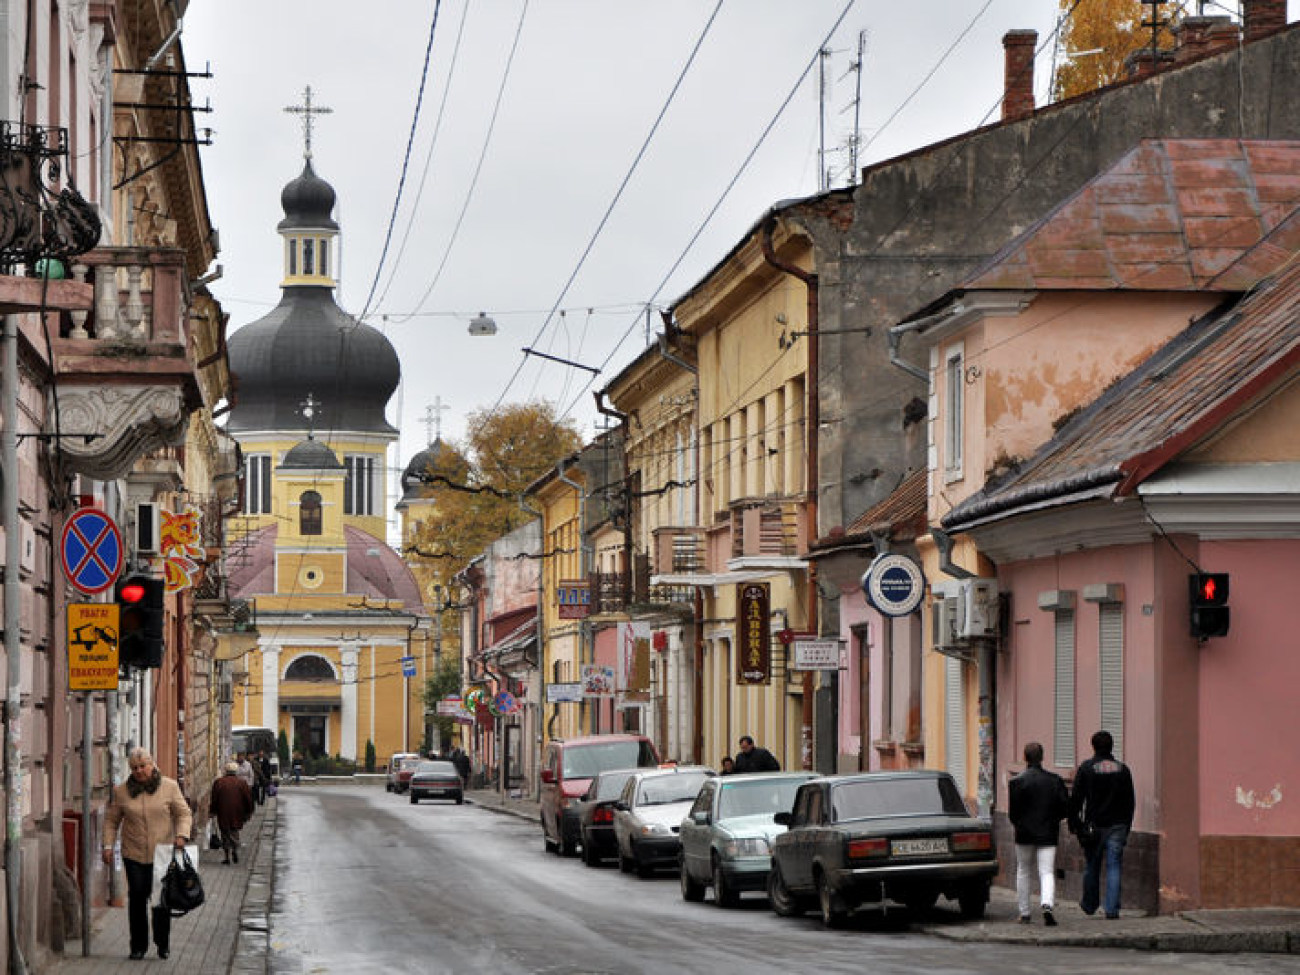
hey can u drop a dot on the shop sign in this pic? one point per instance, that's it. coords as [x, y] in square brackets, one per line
[753, 633]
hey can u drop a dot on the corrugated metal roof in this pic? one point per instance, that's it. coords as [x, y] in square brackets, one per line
[903, 511]
[1183, 393]
[1170, 215]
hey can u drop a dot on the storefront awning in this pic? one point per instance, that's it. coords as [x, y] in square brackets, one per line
[705, 579]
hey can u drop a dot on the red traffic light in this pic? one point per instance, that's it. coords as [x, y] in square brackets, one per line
[131, 592]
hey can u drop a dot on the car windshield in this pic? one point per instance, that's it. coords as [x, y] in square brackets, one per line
[610, 784]
[588, 761]
[435, 768]
[405, 764]
[754, 798]
[679, 787]
[924, 796]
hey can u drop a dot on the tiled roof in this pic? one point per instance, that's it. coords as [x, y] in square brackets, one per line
[903, 511]
[1183, 393]
[1170, 215]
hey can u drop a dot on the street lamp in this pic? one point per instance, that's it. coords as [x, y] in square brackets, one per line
[482, 324]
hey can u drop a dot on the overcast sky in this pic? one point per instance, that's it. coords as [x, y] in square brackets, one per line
[500, 222]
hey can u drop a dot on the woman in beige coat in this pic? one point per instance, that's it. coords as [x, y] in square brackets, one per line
[148, 809]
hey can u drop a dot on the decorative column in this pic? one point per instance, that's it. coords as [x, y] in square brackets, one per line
[271, 688]
[348, 694]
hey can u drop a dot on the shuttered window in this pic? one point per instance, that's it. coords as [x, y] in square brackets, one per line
[955, 720]
[359, 487]
[954, 411]
[257, 484]
[1111, 622]
[1063, 730]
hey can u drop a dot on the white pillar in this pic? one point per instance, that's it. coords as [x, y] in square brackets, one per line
[348, 694]
[271, 688]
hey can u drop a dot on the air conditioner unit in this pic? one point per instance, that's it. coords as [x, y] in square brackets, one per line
[944, 615]
[978, 612]
[146, 528]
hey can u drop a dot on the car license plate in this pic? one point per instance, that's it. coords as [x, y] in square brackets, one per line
[925, 847]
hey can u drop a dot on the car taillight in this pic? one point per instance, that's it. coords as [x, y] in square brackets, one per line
[864, 849]
[603, 814]
[971, 842]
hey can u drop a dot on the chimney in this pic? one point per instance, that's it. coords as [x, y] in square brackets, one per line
[1199, 36]
[1018, 93]
[1263, 17]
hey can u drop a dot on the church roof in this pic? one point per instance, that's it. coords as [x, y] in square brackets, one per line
[374, 570]
[310, 455]
[427, 461]
[308, 202]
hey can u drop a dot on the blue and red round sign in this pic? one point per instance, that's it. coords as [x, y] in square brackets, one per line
[91, 550]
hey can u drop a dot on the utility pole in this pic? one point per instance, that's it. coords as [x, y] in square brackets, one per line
[822, 55]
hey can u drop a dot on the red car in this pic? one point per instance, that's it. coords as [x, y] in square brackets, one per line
[567, 770]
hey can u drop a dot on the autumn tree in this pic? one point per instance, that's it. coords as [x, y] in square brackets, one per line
[1098, 35]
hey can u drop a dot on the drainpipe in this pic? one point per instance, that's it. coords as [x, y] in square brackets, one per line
[621, 417]
[584, 568]
[897, 332]
[812, 483]
[12, 641]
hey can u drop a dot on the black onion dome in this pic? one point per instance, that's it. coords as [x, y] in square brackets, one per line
[310, 455]
[431, 460]
[308, 203]
[309, 346]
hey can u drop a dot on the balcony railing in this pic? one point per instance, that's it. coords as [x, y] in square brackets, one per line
[139, 297]
[38, 220]
[767, 527]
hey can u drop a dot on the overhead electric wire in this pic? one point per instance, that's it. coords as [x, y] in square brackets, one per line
[645, 144]
[478, 168]
[406, 161]
[718, 204]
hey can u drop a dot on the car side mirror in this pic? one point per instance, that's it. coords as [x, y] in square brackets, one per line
[548, 775]
[700, 818]
[783, 819]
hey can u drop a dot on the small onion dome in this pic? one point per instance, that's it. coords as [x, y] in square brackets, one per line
[308, 203]
[310, 455]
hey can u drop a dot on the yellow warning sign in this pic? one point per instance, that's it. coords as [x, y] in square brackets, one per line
[92, 646]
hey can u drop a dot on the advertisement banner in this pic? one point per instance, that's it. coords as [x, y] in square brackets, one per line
[597, 681]
[634, 658]
[566, 693]
[753, 633]
[92, 646]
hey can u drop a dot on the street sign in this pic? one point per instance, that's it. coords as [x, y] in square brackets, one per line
[408, 666]
[894, 585]
[816, 655]
[564, 693]
[92, 646]
[91, 550]
[449, 706]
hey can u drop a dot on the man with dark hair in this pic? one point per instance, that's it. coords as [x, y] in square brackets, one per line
[752, 758]
[1101, 815]
[1038, 803]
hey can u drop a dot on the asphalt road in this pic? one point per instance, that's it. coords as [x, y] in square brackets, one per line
[367, 882]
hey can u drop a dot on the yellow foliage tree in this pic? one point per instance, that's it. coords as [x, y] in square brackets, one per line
[1097, 37]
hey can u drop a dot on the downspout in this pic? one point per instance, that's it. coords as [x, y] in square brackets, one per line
[584, 570]
[621, 417]
[896, 333]
[809, 279]
[541, 652]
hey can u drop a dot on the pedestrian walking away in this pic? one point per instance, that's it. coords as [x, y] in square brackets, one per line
[1101, 815]
[232, 805]
[1038, 803]
[246, 771]
[463, 766]
[146, 810]
[753, 758]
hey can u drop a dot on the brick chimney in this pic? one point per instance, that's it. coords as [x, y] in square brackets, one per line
[1018, 91]
[1199, 36]
[1263, 17]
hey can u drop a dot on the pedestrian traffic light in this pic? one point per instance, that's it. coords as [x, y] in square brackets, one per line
[1209, 602]
[140, 621]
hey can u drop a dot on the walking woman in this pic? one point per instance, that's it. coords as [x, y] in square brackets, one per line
[148, 809]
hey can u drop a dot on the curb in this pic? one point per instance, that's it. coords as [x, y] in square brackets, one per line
[253, 943]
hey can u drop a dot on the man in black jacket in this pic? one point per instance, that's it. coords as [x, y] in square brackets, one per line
[1038, 802]
[752, 758]
[1101, 815]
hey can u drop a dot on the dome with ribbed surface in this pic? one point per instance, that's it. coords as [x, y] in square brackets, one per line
[308, 202]
[310, 455]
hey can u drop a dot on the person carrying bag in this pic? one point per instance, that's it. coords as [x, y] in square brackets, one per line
[182, 890]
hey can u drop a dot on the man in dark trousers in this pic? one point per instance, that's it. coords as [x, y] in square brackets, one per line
[752, 758]
[1101, 815]
[232, 805]
[1038, 804]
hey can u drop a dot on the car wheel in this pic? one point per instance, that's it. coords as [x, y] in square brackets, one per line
[723, 895]
[692, 889]
[414, 800]
[546, 838]
[460, 800]
[589, 855]
[625, 863]
[567, 848]
[972, 902]
[782, 900]
[833, 913]
[388, 787]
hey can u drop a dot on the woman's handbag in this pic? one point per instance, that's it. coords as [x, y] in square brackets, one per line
[214, 835]
[182, 890]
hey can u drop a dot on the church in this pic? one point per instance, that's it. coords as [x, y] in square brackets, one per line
[344, 641]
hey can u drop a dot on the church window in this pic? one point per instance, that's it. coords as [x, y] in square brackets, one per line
[257, 485]
[309, 513]
[359, 487]
[293, 257]
[308, 256]
[324, 257]
[309, 667]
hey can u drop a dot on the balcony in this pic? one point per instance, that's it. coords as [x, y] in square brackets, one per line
[763, 529]
[124, 367]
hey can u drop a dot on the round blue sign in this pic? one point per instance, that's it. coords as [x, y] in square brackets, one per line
[91, 550]
[894, 585]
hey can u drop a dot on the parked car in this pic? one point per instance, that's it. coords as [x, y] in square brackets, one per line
[595, 812]
[567, 770]
[904, 836]
[727, 836]
[648, 816]
[436, 780]
[400, 767]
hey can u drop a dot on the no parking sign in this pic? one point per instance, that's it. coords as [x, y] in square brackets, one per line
[91, 550]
